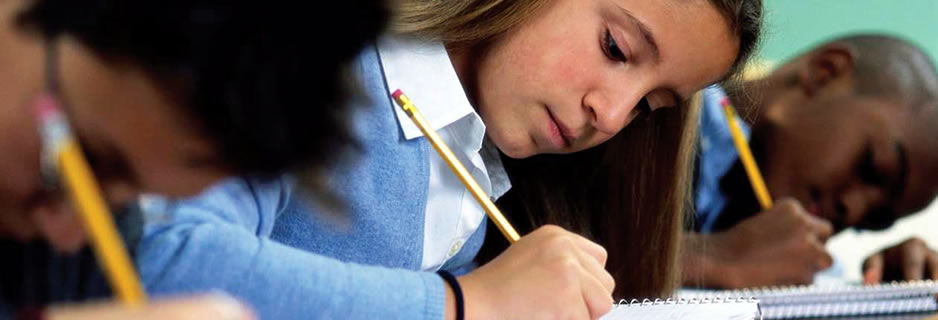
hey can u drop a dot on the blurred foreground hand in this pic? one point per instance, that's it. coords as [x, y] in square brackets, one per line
[212, 306]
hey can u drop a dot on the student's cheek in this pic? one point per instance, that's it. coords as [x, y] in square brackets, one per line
[14, 223]
[574, 67]
[19, 182]
[17, 193]
[59, 225]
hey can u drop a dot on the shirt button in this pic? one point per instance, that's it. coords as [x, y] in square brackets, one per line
[455, 248]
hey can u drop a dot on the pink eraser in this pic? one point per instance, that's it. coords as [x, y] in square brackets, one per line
[397, 94]
[725, 101]
[45, 105]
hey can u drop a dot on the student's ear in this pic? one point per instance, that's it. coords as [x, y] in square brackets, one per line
[826, 66]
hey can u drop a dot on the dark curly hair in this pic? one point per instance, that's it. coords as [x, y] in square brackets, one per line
[263, 79]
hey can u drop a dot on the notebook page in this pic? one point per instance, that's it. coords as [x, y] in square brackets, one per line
[706, 309]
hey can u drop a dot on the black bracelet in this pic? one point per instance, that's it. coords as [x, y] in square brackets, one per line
[457, 291]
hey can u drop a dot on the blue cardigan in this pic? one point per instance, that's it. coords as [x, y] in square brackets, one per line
[276, 250]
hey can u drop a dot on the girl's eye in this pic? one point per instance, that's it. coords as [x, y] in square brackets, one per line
[612, 49]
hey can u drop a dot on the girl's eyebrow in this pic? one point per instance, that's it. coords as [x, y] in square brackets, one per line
[647, 35]
[649, 38]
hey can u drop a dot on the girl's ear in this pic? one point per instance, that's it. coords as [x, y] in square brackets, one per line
[825, 66]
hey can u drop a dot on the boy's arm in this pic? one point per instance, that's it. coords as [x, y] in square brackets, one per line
[782, 246]
[700, 267]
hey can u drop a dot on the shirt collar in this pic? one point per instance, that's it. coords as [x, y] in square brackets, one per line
[425, 73]
[423, 70]
[493, 165]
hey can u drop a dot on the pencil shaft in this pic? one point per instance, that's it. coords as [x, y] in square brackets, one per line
[100, 228]
[749, 162]
[496, 215]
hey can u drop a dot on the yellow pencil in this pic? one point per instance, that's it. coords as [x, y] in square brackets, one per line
[84, 192]
[745, 155]
[497, 217]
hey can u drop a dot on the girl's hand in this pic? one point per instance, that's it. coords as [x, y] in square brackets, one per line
[549, 273]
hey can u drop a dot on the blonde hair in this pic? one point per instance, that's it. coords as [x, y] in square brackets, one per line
[460, 21]
[629, 194]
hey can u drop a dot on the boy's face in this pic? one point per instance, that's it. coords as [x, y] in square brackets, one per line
[136, 138]
[858, 162]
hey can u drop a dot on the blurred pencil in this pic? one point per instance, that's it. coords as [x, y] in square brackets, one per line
[745, 155]
[86, 196]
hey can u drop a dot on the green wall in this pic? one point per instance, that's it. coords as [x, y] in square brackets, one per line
[796, 25]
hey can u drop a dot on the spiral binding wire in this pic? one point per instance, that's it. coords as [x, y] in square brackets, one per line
[823, 301]
[635, 303]
[823, 294]
[702, 300]
[850, 309]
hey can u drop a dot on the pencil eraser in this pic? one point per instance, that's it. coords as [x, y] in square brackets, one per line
[45, 106]
[397, 94]
[725, 101]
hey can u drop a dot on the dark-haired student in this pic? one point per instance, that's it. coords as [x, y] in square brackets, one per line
[166, 97]
[845, 137]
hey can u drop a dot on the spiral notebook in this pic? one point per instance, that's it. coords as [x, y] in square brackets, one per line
[703, 309]
[916, 297]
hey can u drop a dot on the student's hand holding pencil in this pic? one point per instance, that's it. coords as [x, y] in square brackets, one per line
[549, 273]
[781, 246]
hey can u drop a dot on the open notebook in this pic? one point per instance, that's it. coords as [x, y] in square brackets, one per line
[694, 308]
[838, 301]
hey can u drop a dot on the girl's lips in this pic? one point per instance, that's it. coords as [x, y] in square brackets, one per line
[556, 132]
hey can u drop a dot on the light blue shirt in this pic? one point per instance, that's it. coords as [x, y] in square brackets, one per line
[717, 154]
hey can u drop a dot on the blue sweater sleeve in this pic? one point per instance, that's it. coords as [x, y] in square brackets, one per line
[220, 241]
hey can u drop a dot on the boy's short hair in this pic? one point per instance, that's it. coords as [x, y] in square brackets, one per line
[887, 66]
[263, 80]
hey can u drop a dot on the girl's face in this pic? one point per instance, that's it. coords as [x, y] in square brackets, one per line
[576, 73]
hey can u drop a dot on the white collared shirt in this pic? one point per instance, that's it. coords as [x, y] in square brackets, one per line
[425, 73]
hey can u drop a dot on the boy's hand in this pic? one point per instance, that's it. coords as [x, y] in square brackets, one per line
[782, 246]
[910, 260]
